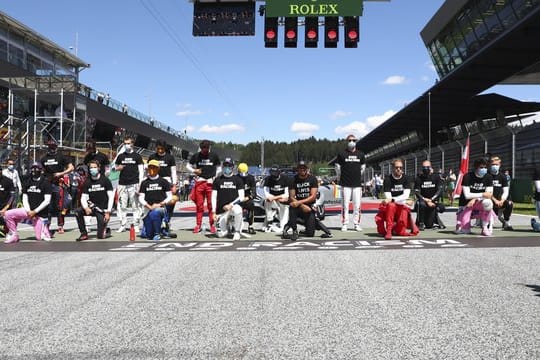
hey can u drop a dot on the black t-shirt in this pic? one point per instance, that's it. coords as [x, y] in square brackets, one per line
[99, 156]
[227, 190]
[499, 182]
[396, 186]
[207, 163]
[36, 191]
[166, 162]
[54, 163]
[351, 168]
[278, 186]
[6, 188]
[97, 191]
[428, 185]
[249, 185]
[155, 191]
[475, 184]
[302, 187]
[130, 173]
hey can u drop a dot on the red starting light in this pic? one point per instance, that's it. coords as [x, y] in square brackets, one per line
[312, 34]
[331, 34]
[291, 34]
[270, 34]
[352, 30]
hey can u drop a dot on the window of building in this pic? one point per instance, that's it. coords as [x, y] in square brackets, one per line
[33, 62]
[3, 50]
[16, 55]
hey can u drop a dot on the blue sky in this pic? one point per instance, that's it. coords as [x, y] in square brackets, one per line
[235, 89]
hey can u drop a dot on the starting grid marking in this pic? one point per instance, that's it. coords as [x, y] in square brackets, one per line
[288, 245]
[270, 245]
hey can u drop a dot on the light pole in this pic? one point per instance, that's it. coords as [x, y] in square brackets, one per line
[262, 153]
[429, 126]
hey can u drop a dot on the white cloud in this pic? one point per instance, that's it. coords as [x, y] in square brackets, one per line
[376, 120]
[185, 113]
[303, 129]
[188, 111]
[222, 129]
[356, 128]
[394, 80]
[338, 114]
[362, 128]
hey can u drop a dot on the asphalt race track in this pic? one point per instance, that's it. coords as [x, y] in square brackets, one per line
[354, 296]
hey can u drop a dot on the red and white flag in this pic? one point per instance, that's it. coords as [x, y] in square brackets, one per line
[463, 168]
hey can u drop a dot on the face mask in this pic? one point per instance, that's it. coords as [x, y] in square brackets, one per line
[94, 171]
[351, 145]
[35, 173]
[494, 169]
[205, 151]
[426, 170]
[482, 172]
[52, 149]
[227, 171]
[11, 167]
[243, 174]
[128, 147]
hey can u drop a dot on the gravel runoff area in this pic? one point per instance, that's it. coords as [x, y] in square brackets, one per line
[405, 304]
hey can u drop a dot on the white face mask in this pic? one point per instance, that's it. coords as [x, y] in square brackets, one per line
[351, 145]
[128, 147]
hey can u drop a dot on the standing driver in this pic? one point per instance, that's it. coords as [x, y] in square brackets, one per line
[204, 165]
[350, 165]
[55, 166]
[130, 165]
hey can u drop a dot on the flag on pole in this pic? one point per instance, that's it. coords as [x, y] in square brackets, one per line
[463, 168]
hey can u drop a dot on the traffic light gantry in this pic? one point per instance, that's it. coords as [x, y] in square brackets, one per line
[311, 24]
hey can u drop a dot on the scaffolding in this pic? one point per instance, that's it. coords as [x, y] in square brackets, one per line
[41, 109]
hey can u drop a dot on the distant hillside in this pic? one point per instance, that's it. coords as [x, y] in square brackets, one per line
[316, 151]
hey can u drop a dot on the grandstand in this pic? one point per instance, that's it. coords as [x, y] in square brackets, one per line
[41, 98]
[474, 45]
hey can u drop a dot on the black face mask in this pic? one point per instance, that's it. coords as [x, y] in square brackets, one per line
[35, 173]
[426, 170]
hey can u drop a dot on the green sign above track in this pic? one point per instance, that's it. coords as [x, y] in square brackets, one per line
[298, 8]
